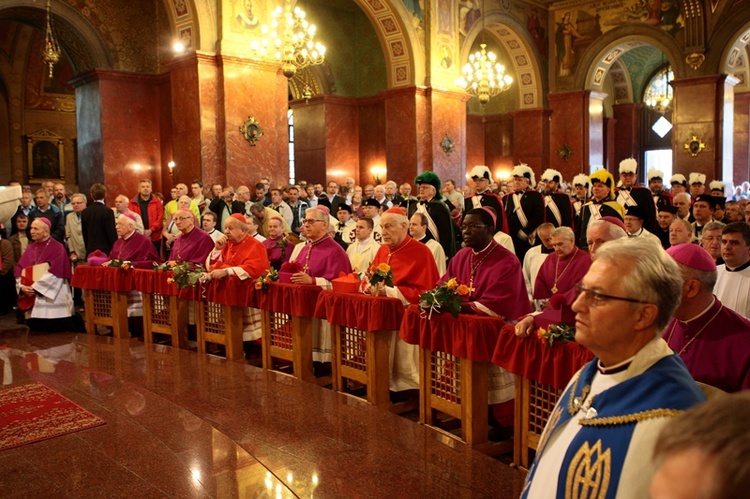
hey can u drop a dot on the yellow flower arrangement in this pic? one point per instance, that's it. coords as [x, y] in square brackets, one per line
[446, 297]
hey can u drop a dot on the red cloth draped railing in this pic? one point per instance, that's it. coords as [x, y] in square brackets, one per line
[530, 358]
[231, 291]
[364, 312]
[153, 282]
[298, 300]
[106, 278]
[468, 336]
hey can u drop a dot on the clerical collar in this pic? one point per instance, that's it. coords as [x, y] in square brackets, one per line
[738, 269]
[420, 239]
[125, 238]
[212, 231]
[617, 368]
[483, 249]
[315, 243]
[687, 322]
[363, 243]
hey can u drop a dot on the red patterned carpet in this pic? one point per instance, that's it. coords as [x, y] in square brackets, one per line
[32, 412]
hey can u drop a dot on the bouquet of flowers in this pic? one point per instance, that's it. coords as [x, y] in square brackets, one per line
[262, 282]
[447, 296]
[555, 333]
[380, 273]
[120, 264]
[186, 274]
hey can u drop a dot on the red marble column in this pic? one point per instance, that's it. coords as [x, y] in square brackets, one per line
[119, 139]
[577, 121]
[372, 137]
[499, 143]
[531, 128]
[402, 153]
[448, 118]
[627, 139]
[741, 138]
[703, 107]
[475, 149]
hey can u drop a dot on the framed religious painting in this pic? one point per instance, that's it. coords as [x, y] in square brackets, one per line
[46, 159]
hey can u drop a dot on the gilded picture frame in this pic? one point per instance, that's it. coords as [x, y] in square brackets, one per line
[45, 156]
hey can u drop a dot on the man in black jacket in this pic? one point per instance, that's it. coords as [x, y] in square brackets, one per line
[98, 223]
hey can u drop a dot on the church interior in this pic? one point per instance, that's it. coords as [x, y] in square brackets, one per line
[177, 90]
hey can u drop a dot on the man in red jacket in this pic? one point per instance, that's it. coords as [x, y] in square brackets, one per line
[151, 211]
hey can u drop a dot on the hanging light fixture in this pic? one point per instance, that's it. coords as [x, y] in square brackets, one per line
[483, 76]
[291, 37]
[51, 51]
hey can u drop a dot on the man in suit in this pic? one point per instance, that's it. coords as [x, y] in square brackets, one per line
[225, 207]
[98, 223]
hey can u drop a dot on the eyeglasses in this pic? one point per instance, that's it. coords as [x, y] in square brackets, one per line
[182, 218]
[470, 227]
[597, 299]
[310, 221]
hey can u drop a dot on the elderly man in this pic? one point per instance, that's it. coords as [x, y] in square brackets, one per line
[524, 209]
[733, 281]
[610, 414]
[381, 198]
[41, 281]
[735, 212]
[132, 246]
[151, 211]
[277, 247]
[598, 233]
[682, 202]
[564, 268]
[406, 200]
[237, 252]
[363, 249]
[680, 232]
[321, 260]
[712, 340]
[558, 208]
[711, 240]
[440, 224]
[666, 214]
[483, 196]
[225, 206]
[602, 204]
[418, 230]
[264, 214]
[74, 238]
[634, 219]
[414, 272]
[699, 452]
[122, 206]
[45, 210]
[536, 256]
[98, 222]
[172, 206]
[192, 245]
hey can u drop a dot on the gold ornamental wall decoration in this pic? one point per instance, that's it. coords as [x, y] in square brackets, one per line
[251, 130]
[694, 146]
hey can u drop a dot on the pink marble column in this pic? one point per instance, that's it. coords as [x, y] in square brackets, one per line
[703, 108]
[577, 121]
[531, 128]
[448, 118]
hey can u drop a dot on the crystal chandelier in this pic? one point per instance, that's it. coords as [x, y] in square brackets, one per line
[291, 37]
[658, 95]
[51, 51]
[483, 76]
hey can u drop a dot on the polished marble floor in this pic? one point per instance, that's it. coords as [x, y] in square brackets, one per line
[180, 424]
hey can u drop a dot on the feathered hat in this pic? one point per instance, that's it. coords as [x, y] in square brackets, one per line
[653, 173]
[678, 178]
[552, 175]
[606, 178]
[523, 170]
[697, 178]
[481, 171]
[628, 165]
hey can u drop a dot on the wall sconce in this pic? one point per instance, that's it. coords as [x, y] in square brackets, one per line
[171, 166]
[378, 172]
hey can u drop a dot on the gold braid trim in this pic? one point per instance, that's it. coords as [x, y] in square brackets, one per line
[631, 418]
[572, 409]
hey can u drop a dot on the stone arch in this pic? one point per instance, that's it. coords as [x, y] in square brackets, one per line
[185, 16]
[524, 57]
[608, 48]
[621, 82]
[78, 35]
[735, 58]
[404, 64]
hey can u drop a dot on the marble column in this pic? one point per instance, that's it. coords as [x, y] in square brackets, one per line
[704, 109]
[628, 133]
[531, 128]
[577, 122]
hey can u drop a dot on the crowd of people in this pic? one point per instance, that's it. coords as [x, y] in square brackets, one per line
[656, 281]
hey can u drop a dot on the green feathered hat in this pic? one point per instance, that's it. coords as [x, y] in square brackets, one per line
[430, 178]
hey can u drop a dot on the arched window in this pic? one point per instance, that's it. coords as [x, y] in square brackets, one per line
[658, 92]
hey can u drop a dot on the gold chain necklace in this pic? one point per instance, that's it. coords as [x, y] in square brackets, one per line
[475, 267]
[391, 253]
[696, 334]
[557, 266]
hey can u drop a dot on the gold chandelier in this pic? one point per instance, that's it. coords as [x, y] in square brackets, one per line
[291, 37]
[51, 51]
[483, 76]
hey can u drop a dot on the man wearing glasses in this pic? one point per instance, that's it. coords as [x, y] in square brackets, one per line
[192, 245]
[599, 439]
